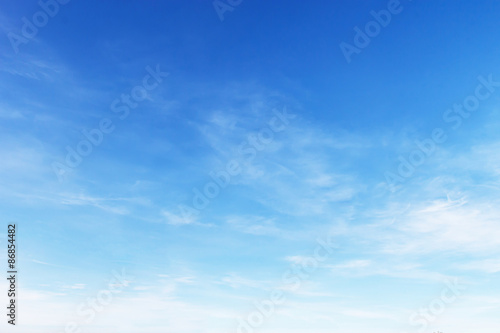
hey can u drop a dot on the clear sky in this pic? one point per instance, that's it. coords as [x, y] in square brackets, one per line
[171, 164]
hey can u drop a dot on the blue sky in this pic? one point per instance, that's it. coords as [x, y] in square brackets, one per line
[307, 146]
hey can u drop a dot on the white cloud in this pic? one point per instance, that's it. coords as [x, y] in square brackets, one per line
[489, 266]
